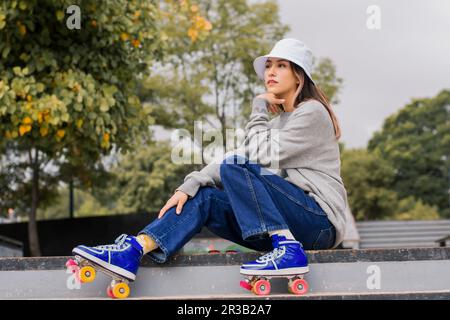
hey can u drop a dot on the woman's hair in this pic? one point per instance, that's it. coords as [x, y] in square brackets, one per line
[311, 91]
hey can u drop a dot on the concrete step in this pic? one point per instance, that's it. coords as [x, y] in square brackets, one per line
[335, 274]
[421, 223]
[396, 230]
[406, 240]
[403, 239]
[397, 245]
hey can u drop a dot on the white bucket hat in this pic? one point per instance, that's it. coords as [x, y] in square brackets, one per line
[290, 49]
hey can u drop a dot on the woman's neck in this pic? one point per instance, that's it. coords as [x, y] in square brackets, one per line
[288, 105]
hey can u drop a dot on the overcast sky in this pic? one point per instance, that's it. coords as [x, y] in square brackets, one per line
[408, 57]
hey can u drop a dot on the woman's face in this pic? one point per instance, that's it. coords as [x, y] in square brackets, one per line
[280, 71]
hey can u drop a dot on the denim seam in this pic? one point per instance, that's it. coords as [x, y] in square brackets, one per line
[252, 233]
[320, 234]
[293, 199]
[268, 229]
[249, 183]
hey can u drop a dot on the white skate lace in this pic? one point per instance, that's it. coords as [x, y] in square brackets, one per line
[119, 244]
[276, 253]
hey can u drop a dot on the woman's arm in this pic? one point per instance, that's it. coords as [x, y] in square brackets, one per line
[210, 174]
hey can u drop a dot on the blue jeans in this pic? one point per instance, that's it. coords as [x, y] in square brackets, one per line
[250, 205]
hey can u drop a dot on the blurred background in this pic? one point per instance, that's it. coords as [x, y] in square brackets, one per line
[92, 91]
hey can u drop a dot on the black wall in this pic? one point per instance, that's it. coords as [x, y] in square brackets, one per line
[59, 237]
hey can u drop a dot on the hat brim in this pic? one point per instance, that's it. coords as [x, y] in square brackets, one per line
[259, 64]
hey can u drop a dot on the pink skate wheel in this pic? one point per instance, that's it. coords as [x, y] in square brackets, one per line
[71, 263]
[110, 293]
[299, 286]
[73, 267]
[261, 287]
[246, 285]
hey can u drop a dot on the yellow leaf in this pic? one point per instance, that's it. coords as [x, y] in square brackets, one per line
[136, 43]
[29, 98]
[60, 15]
[207, 26]
[193, 34]
[40, 117]
[43, 131]
[105, 144]
[76, 87]
[60, 133]
[79, 123]
[23, 129]
[22, 29]
[27, 121]
[8, 134]
[106, 137]
[124, 36]
[199, 21]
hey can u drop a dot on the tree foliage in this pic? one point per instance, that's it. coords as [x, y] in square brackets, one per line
[416, 142]
[143, 180]
[368, 180]
[68, 96]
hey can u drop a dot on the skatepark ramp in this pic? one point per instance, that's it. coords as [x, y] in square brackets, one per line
[411, 273]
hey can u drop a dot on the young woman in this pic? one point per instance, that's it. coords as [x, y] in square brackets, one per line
[295, 204]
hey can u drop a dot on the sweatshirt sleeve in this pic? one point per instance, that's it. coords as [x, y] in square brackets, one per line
[208, 176]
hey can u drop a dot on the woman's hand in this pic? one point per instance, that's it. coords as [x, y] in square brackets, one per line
[179, 199]
[273, 101]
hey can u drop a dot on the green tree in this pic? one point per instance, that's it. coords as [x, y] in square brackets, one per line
[411, 209]
[416, 142]
[143, 180]
[211, 80]
[85, 205]
[325, 75]
[366, 177]
[68, 96]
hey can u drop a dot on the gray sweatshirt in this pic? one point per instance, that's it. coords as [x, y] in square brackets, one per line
[299, 146]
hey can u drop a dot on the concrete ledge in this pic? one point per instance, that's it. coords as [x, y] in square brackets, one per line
[422, 295]
[358, 280]
[231, 259]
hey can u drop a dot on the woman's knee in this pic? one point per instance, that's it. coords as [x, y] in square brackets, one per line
[204, 192]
